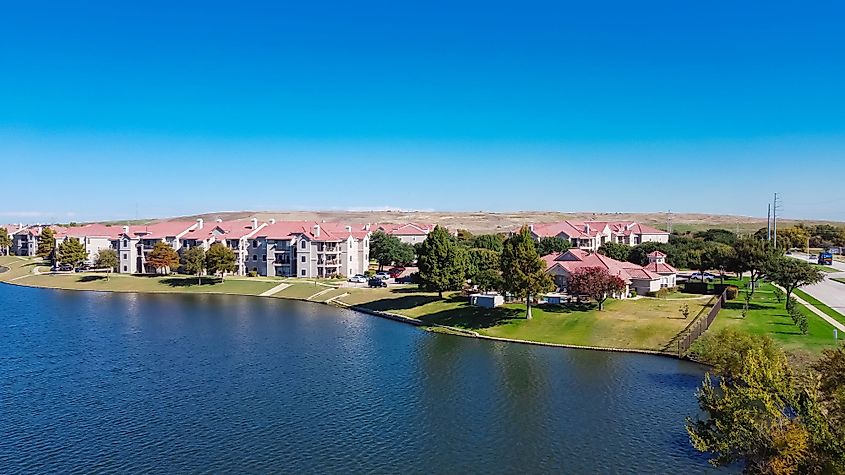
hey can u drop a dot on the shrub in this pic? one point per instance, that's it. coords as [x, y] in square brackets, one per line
[779, 294]
[252, 273]
[731, 292]
[696, 287]
[661, 294]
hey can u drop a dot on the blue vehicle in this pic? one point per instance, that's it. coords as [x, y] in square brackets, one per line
[825, 258]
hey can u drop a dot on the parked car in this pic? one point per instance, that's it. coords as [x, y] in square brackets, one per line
[65, 267]
[376, 282]
[383, 275]
[698, 276]
[395, 272]
[358, 279]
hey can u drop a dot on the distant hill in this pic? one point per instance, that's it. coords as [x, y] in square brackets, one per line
[488, 222]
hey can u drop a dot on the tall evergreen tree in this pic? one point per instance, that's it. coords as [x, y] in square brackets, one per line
[72, 252]
[46, 243]
[442, 262]
[523, 272]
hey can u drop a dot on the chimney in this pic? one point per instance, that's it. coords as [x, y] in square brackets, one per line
[587, 228]
[254, 223]
[199, 223]
[348, 229]
[126, 230]
[367, 227]
[20, 226]
[272, 220]
[316, 230]
[218, 220]
[531, 227]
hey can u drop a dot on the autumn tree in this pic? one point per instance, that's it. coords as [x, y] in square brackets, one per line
[163, 256]
[46, 243]
[71, 251]
[792, 274]
[220, 259]
[523, 272]
[596, 283]
[442, 262]
[194, 262]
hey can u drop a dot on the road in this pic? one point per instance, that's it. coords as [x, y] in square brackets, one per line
[828, 292]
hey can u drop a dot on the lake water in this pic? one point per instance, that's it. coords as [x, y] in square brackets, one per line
[96, 382]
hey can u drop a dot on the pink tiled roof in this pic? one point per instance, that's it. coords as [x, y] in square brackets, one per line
[160, 230]
[578, 229]
[35, 231]
[661, 268]
[222, 230]
[93, 230]
[576, 259]
[656, 254]
[328, 231]
[407, 229]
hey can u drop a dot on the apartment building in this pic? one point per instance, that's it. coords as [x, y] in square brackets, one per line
[590, 235]
[309, 249]
[236, 235]
[94, 237]
[410, 233]
[25, 240]
[134, 243]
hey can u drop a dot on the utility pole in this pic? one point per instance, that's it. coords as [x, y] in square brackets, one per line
[669, 221]
[769, 223]
[775, 208]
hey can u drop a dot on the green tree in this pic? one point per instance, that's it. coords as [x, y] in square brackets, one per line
[550, 244]
[493, 242]
[480, 260]
[193, 261]
[464, 237]
[46, 243]
[383, 248]
[792, 274]
[716, 235]
[523, 272]
[488, 279]
[107, 259]
[615, 250]
[442, 262]
[5, 242]
[72, 252]
[752, 255]
[163, 257]
[220, 259]
[404, 254]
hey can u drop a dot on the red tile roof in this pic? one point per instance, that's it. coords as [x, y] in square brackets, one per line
[328, 231]
[407, 229]
[222, 230]
[588, 229]
[575, 259]
[160, 230]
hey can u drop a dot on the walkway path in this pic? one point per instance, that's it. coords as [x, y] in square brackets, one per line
[320, 293]
[818, 312]
[828, 291]
[274, 290]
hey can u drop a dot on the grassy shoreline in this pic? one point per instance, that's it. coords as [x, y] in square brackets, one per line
[638, 325]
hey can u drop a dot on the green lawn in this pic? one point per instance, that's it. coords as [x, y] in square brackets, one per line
[767, 316]
[819, 305]
[636, 324]
[839, 279]
[827, 269]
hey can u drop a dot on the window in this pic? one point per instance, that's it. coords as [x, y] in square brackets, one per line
[303, 273]
[254, 257]
[303, 258]
[303, 245]
[350, 258]
[125, 255]
[264, 258]
[125, 269]
[254, 243]
[255, 269]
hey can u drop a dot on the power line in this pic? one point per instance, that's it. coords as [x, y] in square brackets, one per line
[776, 205]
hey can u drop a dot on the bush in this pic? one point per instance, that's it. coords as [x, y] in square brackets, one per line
[731, 292]
[798, 316]
[253, 273]
[661, 294]
[696, 288]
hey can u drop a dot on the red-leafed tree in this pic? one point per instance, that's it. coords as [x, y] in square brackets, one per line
[596, 283]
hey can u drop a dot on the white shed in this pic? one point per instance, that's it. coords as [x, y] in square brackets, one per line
[486, 300]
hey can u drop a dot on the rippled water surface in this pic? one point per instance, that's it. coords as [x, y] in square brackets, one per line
[96, 382]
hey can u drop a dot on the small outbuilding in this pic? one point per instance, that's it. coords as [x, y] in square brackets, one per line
[486, 300]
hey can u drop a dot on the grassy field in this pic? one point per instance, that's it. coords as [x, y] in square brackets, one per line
[648, 324]
[768, 316]
[819, 305]
[839, 279]
[827, 269]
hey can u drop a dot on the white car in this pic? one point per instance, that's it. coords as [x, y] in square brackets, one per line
[358, 279]
[383, 275]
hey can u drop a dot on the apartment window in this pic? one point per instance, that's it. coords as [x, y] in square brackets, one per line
[303, 273]
[125, 269]
[303, 245]
[254, 243]
[125, 255]
[350, 258]
[255, 269]
[264, 258]
[254, 257]
[303, 258]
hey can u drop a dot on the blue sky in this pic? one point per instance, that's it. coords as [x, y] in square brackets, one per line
[172, 108]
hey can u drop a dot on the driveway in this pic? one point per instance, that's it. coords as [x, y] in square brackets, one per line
[829, 292]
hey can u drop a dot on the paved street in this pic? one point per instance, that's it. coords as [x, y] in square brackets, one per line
[830, 292]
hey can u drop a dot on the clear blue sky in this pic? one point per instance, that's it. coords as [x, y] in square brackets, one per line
[182, 107]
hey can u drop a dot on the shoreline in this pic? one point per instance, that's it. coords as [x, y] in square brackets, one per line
[363, 310]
